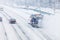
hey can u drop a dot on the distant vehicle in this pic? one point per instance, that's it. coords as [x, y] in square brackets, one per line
[0, 19]
[12, 21]
[1, 9]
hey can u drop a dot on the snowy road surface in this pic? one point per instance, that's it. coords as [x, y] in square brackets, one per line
[22, 30]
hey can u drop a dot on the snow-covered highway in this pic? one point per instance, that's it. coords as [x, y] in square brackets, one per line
[21, 30]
